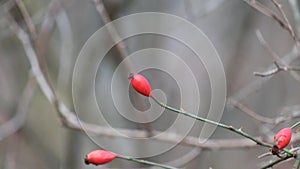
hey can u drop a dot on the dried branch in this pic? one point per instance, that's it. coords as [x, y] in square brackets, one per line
[112, 30]
[27, 19]
[289, 26]
[256, 84]
[278, 68]
[266, 11]
[278, 61]
[121, 48]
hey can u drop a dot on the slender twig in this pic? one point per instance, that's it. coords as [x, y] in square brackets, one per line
[278, 69]
[112, 31]
[256, 84]
[145, 162]
[266, 11]
[289, 26]
[27, 19]
[277, 161]
[121, 48]
[295, 125]
[280, 64]
[227, 127]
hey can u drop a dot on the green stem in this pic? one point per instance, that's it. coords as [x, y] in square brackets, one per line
[277, 161]
[295, 125]
[145, 162]
[227, 127]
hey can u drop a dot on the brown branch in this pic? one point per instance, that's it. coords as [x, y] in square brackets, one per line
[266, 11]
[278, 69]
[121, 48]
[283, 14]
[277, 62]
[27, 19]
[112, 30]
[256, 84]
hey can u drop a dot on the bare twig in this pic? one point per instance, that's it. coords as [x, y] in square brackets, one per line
[289, 26]
[256, 84]
[266, 11]
[112, 30]
[121, 48]
[27, 19]
[278, 61]
[221, 125]
[14, 124]
[278, 68]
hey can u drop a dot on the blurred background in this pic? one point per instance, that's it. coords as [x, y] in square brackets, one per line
[34, 135]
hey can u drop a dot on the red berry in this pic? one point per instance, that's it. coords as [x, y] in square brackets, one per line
[99, 157]
[283, 138]
[141, 84]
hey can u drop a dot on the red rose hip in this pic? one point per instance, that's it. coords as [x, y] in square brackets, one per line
[141, 84]
[283, 138]
[99, 157]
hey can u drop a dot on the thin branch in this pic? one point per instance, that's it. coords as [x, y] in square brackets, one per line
[224, 126]
[266, 11]
[27, 19]
[112, 30]
[256, 84]
[277, 61]
[14, 124]
[289, 26]
[121, 48]
[278, 69]
[277, 161]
